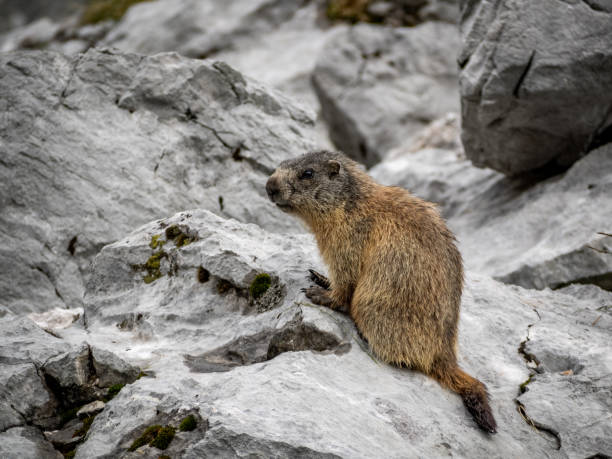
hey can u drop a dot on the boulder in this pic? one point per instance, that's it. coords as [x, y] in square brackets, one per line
[294, 380]
[535, 234]
[16, 13]
[196, 28]
[96, 145]
[43, 382]
[380, 85]
[536, 79]
[26, 443]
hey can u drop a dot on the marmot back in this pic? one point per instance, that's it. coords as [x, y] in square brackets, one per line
[393, 266]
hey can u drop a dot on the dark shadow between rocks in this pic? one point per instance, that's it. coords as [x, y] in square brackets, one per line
[265, 345]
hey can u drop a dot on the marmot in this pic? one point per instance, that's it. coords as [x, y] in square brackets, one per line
[393, 266]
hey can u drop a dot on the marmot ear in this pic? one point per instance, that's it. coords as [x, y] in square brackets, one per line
[333, 167]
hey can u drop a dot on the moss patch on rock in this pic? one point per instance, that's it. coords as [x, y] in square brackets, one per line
[156, 436]
[180, 237]
[260, 285]
[103, 10]
[188, 423]
[164, 437]
[152, 266]
[156, 242]
[147, 437]
[113, 391]
[348, 10]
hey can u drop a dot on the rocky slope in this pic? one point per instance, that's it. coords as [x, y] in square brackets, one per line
[270, 374]
[189, 337]
[95, 145]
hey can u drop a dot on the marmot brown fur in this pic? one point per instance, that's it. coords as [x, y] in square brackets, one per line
[393, 266]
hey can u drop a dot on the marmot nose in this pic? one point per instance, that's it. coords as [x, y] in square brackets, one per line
[272, 188]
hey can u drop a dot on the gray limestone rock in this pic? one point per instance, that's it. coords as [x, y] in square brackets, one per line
[26, 443]
[543, 234]
[536, 82]
[96, 145]
[311, 401]
[379, 85]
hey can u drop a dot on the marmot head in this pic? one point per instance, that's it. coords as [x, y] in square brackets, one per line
[314, 183]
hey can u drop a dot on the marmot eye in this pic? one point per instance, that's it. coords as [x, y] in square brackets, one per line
[307, 174]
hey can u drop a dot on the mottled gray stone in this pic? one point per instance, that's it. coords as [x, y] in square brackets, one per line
[26, 443]
[536, 82]
[379, 85]
[96, 145]
[309, 403]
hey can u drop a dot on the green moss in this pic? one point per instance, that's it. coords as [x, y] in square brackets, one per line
[156, 242]
[182, 240]
[114, 390]
[179, 237]
[221, 203]
[147, 437]
[152, 267]
[70, 454]
[142, 374]
[348, 10]
[260, 285]
[102, 10]
[188, 424]
[164, 437]
[163, 456]
[85, 427]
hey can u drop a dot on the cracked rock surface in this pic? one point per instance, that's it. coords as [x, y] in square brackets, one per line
[379, 85]
[95, 145]
[534, 234]
[528, 69]
[42, 378]
[297, 381]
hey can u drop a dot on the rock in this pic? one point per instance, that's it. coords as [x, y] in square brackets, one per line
[565, 368]
[269, 56]
[379, 85]
[547, 234]
[24, 395]
[110, 369]
[16, 13]
[43, 379]
[91, 409]
[139, 138]
[65, 439]
[35, 35]
[85, 373]
[196, 28]
[56, 319]
[26, 443]
[523, 84]
[442, 134]
[211, 353]
[441, 10]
